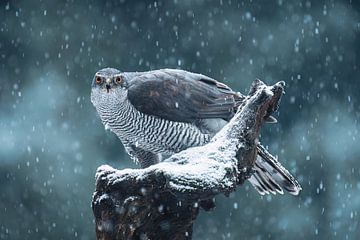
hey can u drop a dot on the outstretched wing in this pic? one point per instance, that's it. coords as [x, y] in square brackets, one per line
[182, 96]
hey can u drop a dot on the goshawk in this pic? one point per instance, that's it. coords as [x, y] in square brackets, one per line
[162, 112]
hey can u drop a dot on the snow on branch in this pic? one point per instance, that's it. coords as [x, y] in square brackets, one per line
[163, 200]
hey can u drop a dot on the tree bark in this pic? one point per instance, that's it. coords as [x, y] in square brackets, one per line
[163, 200]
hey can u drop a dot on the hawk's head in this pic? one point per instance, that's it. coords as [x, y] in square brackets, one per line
[107, 79]
[108, 87]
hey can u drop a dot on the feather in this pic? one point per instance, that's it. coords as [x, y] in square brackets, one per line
[273, 175]
[178, 95]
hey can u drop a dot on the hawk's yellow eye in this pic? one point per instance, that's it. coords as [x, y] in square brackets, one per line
[98, 80]
[118, 80]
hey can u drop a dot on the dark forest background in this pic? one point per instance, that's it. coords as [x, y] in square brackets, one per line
[52, 141]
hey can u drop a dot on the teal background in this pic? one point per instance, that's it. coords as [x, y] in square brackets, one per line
[52, 141]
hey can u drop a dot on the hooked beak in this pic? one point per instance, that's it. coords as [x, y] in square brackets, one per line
[108, 87]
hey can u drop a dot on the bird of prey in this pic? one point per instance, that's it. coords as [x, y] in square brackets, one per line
[162, 112]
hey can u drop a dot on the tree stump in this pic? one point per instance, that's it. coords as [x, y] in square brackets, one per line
[163, 200]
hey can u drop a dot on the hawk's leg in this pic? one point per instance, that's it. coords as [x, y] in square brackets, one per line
[141, 156]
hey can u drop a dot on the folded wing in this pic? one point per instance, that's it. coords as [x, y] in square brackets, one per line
[182, 96]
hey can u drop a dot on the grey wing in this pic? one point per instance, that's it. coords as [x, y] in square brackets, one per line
[183, 96]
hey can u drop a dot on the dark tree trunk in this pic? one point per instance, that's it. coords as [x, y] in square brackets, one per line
[163, 201]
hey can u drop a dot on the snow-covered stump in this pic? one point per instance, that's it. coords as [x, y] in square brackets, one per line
[163, 200]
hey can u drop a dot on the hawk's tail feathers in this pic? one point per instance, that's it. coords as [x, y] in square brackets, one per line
[271, 177]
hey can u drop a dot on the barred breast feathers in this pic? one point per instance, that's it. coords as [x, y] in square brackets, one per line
[148, 132]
